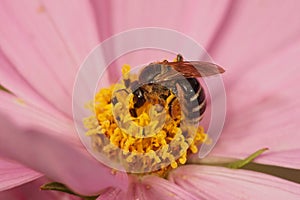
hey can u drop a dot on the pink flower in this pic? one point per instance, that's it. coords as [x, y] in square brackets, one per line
[43, 44]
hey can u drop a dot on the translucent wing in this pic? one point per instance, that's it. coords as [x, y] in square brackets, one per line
[188, 69]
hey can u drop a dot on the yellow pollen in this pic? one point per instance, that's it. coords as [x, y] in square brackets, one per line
[155, 130]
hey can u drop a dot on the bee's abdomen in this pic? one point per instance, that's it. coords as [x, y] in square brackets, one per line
[194, 95]
[196, 105]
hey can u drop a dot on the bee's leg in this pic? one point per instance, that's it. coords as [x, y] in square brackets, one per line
[122, 90]
[126, 82]
[133, 112]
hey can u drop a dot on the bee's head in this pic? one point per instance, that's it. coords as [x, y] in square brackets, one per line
[139, 98]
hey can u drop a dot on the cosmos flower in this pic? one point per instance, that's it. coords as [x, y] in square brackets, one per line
[43, 44]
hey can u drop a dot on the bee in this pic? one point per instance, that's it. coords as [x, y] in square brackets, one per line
[157, 81]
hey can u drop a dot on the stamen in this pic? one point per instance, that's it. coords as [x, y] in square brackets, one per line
[153, 137]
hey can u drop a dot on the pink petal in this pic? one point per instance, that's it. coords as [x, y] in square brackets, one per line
[19, 86]
[116, 194]
[13, 174]
[253, 31]
[149, 187]
[31, 191]
[263, 111]
[136, 190]
[45, 43]
[27, 115]
[221, 183]
[111, 194]
[197, 19]
[163, 189]
[58, 159]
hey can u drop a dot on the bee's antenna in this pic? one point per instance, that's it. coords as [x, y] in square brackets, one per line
[179, 58]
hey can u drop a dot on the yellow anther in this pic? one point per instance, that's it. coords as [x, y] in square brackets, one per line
[193, 148]
[125, 69]
[182, 160]
[174, 164]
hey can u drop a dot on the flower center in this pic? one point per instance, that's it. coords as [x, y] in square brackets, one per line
[141, 126]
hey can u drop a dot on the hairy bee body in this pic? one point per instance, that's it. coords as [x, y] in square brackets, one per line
[189, 89]
[157, 81]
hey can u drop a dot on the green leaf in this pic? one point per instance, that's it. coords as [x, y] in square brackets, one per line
[241, 163]
[62, 188]
[281, 172]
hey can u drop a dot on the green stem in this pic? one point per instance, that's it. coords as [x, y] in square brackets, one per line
[241, 163]
[62, 188]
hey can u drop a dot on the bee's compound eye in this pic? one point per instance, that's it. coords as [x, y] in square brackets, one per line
[139, 98]
[138, 93]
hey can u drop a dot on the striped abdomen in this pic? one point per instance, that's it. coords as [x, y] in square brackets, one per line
[192, 97]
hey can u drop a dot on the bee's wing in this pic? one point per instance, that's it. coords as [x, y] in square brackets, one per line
[188, 69]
